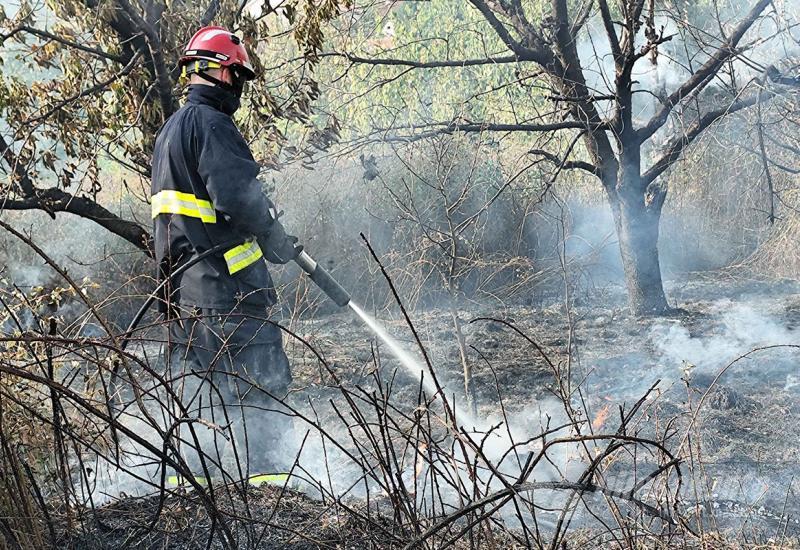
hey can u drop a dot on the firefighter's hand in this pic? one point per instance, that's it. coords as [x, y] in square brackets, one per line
[278, 247]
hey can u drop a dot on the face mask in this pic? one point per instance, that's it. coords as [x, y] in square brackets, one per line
[236, 87]
[230, 103]
[238, 82]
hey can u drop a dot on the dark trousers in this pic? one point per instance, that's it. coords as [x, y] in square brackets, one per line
[229, 368]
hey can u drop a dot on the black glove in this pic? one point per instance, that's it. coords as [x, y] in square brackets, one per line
[278, 247]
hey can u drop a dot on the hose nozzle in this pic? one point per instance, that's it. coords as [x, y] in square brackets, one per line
[323, 279]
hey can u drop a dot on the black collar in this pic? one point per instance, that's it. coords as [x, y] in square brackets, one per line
[216, 97]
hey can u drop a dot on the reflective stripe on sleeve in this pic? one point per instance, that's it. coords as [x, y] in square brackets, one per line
[243, 255]
[185, 204]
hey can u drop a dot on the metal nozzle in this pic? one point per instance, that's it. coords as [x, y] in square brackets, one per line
[323, 279]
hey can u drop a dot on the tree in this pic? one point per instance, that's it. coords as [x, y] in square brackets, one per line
[593, 126]
[86, 94]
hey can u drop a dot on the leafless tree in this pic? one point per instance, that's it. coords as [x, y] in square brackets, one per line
[597, 128]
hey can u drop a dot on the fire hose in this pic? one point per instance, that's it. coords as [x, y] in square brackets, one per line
[321, 277]
[318, 274]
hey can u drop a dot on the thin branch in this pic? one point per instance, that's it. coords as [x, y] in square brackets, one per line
[502, 32]
[25, 184]
[534, 486]
[100, 86]
[765, 160]
[613, 39]
[472, 127]
[161, 72]
[425, 65]
[61, 40]
[679, 143]
[566, 165]
[709, 68]
[211, 12]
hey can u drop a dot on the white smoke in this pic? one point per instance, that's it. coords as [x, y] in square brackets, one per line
[732, 330]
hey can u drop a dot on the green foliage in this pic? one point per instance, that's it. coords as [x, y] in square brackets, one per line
[370, 96]
[95, 80]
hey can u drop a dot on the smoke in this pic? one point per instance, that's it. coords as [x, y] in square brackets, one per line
[694, 349]
[656, 79]
[738, 328]
[741, 359]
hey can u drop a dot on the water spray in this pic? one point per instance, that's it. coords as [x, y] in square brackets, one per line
[341, 297]
[336, 292]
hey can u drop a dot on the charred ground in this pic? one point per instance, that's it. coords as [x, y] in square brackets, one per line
[730, 413]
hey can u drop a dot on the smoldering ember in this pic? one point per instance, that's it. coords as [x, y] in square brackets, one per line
[392, 274]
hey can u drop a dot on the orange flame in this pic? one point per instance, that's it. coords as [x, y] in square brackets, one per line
[601, 417]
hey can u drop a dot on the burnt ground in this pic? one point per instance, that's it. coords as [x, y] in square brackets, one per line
[739, 431]
[743, 429]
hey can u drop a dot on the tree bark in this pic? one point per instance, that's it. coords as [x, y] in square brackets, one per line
[637, 222]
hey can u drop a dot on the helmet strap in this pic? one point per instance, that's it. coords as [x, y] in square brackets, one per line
[235, 88]
[199, 67]
[214, 80]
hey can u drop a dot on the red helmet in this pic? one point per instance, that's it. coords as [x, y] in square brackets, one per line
[218, 45]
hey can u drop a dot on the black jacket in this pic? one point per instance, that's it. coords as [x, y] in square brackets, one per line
[205, 192]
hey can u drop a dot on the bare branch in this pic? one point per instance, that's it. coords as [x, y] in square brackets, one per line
[211, 12]
[709, 68]
[522, 51]
[679, 143]
[425, 65]
[613, 39]
[582, 18]
[474, 127]
[566, 165]
[56, 200]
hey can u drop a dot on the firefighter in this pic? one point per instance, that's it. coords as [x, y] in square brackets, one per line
[226, 358]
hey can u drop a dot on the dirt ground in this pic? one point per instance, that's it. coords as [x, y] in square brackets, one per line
[743, 419]
[737, 420]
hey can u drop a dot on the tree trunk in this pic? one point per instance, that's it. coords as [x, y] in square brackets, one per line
[637, 221]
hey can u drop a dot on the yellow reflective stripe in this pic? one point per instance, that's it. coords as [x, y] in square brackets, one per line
[185, 204]
[241, 256]
[180, 480]
[255, 480]
[268, 478]
[188, 197]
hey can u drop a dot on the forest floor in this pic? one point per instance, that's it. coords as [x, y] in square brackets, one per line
[740, 416]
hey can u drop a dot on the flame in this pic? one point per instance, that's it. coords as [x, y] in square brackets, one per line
[601, 417]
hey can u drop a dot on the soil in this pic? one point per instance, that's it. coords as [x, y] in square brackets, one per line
[739, 418]
[746, 421]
